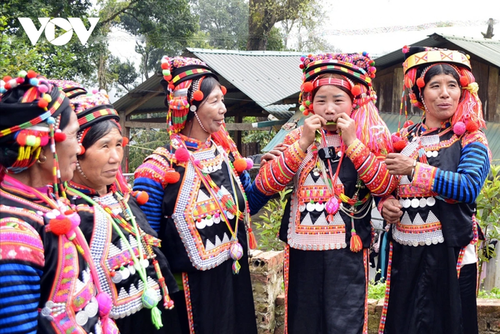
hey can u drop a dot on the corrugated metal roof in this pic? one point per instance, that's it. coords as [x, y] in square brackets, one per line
[392, 120]
[489, 50]
[265, 76]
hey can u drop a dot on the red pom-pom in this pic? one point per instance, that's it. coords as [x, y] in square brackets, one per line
[172, 177]
[421, 82]
[125, 141]
[198, 95]
[59, 137]
[141, 197]
[399, 145]
[21, 138]
[19, 80]
[223, 89]
[301, 66]
[60, 225]
[471, 126]
[165, 66]
[356, 90]
[182, 155]
[464, 81]
[240, 165]
[306, 112]
[408, 123]
[7, 86]
[31, 74]
[7, 78]
[42, 103]
[307, 87]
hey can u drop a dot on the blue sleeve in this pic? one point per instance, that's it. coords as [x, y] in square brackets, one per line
[465, 185]
[256, 199]
[152, 208]
[19, 297]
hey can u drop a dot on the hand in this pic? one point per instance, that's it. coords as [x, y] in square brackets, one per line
[273, 154]
[311, 125]
[346, 127]
[391, 211]
[398, 164]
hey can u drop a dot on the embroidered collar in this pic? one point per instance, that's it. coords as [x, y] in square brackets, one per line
[194, 144]
[90, 191]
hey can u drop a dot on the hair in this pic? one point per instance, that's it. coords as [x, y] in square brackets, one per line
[438, 69]
[207, 87]
[9, 147]
[97, 131]
[332, 75]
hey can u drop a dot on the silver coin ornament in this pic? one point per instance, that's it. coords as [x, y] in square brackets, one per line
[92, 308]
[431, 201]
[125, 273]
[415, 203]
[423, 202]
[310, 206]
[302, 207]
[407, 203]
[81, 318]
[117, 277]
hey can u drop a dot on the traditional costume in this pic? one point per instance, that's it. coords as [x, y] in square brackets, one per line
[436, 234]
[200, 201]
[132, 270]
[49, 283]
[326, 224]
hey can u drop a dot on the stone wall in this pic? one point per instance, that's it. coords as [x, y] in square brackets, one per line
[266, 270]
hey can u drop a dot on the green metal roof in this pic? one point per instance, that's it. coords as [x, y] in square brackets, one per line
[392, 120]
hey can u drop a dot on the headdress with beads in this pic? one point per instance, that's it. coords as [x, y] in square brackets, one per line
[357, 70]
[29, 116]
[418, 61]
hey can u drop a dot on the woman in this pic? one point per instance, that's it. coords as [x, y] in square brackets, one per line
[49, 283]
[135, 277]
[443, 163]
[192, 185]
[335, 163]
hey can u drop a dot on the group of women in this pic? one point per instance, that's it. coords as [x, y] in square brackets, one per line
[82, 252]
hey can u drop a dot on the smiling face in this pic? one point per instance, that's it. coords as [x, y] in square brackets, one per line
[101, 162]
[440, 96]
[330, 101]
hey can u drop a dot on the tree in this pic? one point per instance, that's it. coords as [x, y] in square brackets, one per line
[125, 72]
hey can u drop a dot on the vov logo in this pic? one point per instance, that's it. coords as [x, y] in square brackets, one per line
[49, 26]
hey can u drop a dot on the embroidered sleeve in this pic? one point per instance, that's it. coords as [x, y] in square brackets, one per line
[276, 174]
[21, 263]
[371, 169]
[150, 177]
[256, 199]
[463, 185]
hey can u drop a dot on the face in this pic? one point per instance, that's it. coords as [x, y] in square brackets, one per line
[331, 101]
[101, 161]
[66, 152]
[440, 96]
[211, 111]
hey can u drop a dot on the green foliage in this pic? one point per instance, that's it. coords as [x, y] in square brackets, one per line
[493, 294]
[269, 227]
[488, 206]
[142, 143]
[255, 136]
[376, 290]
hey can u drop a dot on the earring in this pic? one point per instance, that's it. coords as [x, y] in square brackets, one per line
[199, 121]
[41, 159]
[79, 168]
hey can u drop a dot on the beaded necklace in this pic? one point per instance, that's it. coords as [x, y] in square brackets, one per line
[333, 204]
[148, 296]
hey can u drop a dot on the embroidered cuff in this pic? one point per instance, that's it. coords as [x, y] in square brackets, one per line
[424, 176]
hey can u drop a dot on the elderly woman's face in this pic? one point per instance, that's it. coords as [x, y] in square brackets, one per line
[102, 160]
[441, 96]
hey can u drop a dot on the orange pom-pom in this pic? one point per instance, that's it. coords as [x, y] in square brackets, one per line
[408, 123]
[307, 87]
[464, 81]
[125, 141]
[399, 145]
[31, 74]
[471, 126]
[306, 112]
[172, 177]
[356, 90]
[198, 95]
[141, 197]
[223, 89]
[165, 66]
[421, 82]
[181, 155]
[60, 225]
[42, 103]
[240, 165]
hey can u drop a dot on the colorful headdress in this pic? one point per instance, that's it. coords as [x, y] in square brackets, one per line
[29, 110]
[418, 61]
[356, 71]
[182, 79]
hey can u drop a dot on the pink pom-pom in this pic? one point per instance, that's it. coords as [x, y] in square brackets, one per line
[459, 128]
[182, 155]
[44, 140]
[43, 89]
[95, 91]
[105, 304]
[332, 206]
[249, 163]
